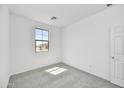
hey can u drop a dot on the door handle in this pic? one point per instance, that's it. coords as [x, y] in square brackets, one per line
[113, 57]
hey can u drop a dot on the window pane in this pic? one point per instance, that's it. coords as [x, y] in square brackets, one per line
[38, 31]
[42, 46]
[45, 46]
[45, 33]
[38, 46]
[45, 37]
[38, 37]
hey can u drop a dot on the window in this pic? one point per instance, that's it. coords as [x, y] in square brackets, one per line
[41, 40]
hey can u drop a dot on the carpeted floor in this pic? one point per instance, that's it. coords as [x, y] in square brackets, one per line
[72, 78]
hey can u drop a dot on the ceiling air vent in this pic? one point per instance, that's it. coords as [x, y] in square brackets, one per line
[53, 18]
[108, 5]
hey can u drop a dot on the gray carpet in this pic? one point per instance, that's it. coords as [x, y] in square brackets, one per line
[72, 78]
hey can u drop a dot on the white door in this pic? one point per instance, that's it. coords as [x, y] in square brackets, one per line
[117, 55]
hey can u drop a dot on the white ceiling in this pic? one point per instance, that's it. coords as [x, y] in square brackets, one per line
[66, 13]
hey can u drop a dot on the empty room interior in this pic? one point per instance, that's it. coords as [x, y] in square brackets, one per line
[61, 45]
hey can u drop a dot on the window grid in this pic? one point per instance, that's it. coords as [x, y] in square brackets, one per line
[42, 39]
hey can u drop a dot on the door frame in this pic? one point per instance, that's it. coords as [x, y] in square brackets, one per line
[112, 62]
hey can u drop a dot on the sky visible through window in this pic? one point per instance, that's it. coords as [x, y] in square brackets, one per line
[41, 34]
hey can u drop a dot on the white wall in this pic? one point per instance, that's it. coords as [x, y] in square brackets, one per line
[4, 46]
[86, 43]
[23, 56]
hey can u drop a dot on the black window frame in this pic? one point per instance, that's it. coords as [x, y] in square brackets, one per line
[42, 40]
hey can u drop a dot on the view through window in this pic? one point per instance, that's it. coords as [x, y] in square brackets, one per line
[41, 40]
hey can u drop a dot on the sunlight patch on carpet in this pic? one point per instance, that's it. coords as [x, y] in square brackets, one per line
[55, 70]
[52, 69]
